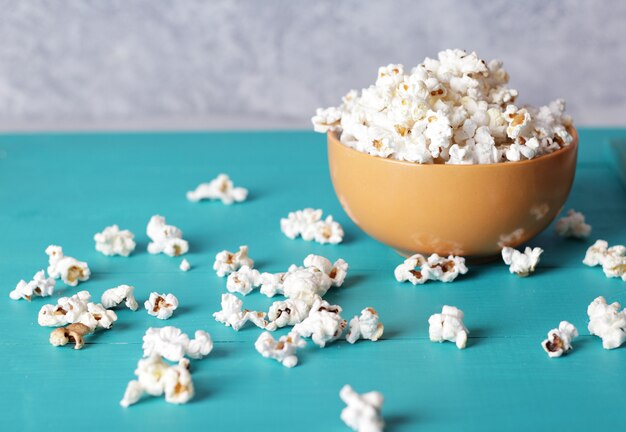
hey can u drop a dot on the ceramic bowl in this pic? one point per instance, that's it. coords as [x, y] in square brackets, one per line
[467, 210]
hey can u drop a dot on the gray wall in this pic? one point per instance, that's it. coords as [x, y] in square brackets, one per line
[102, 64]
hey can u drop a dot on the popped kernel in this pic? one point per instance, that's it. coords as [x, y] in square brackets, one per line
[233, 315]
[573, 225]
[68, 310]
[177, 383]
[363, 411]
[521, 264]
[448, 326]
[69, 269]
[418, 269]
[607, 322]
[166, 239]
[171, 343]
[559, 340]
[184, 265]
[309, 225]
[73, 333]
[243, 281]
[220, 188]
[113, 241]
[115, 296]
[612, 259]
[227, 262]
[161, 306]
[39, 286]
[315, 279]
[282, 350]
[288, 312]
[365, 326]
[324, 323]
[272, 283]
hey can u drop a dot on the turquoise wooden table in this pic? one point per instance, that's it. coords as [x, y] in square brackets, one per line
[63, 188]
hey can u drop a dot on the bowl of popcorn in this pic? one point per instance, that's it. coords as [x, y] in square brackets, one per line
[442, 160]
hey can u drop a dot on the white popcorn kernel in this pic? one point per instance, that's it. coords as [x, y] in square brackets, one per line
[168, 342]
[309, 225]
[326, 120]
[282, 350]
[68, 310]
[133, 393]
[73, 333]
[113, 241]
[338, 272]
[228, 262]
[615, 267]
[272, 283]
[323, 324]
[418, 270]
[559, 340]
[184, 265]
[363, 411]
[448, 326]
[220, 188]
[328, 231]
[573, 225]
[200, 346]
[366, 326]
[97, 316]
[414, 269]
[177, 383]
[306, 285]
[150, 373]
[39, 286]
[607, 322]
[233, 315]
[70, 270]
[522, 264]
[115, 296]
[161, 306]
[600, 250]
[166, 239]
[288, 312]
[243, 280]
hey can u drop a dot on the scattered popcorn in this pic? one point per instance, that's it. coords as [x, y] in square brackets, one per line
[112, 241]
[283, 350]
[243, 280]
[68, 310]
[287, 313]
[418, 269]
[115, 296]
[607, 322]
[171, 343]
[228, 262]
[201, 346]
[448, 326]
[309, 225]
[40, 286]
[73, 333]
[233, 315]
[455, 109]
[573, 225]
[220, 188]
[522, 264]
[184, 265]
[362, 412]
[272, 283]
[366, 326]
[161, 306]
[323, 324]
[70, 270]
[559, 340]
[166, 239]
[612, 259]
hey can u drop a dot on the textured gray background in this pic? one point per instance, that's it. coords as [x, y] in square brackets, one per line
[125, 64]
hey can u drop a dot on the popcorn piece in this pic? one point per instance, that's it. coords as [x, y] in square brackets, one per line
[97, 316]
[448, 326]
[287, 313]
[363, 411]
[161, 306]
[573, 225]
[600, 251]
[559, 340]
[150, 372]
[272, 283]
[115, 296]
[306, 285]
[200, 346]
[283, 350]
[243, 280]
[184, 265]
[323, 324]
[220, 188]
[522, 264]
[171, 343]
[607, 322]
[418, 270]
[615, 267]
[309, 225]
[233, 315]
[326, 119]
[166, 239]
[328, 231]
[177, 383]
[70, 270]
[133, 393]
[68, 310]
[40, 286]
[366, 326]
[228, 262]
[113, 241]
[73, 333]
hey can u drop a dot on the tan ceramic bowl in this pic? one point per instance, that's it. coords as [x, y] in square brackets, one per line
[467, 210]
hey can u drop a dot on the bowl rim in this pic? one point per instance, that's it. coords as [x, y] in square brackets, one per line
[332, 137]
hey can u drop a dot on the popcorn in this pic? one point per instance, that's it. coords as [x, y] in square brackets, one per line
[72, 333]
[559, 340]
[442, 112]
[68, 310]
[287, 313]
[615, 267]
[366, 326]
[200, 346]
[607, 322]
[522, 264]
[40, 286]
[166, 239]
[272, 283]
[233, 315]
[418, 269]
[323, 324]
[220, 188]
[122, 293]
[362, 412]
[97, 316]
[309, 225]
[70, 270]
[283, 350]
[243, 280]
[133, 393]
[228, 262]
[448, 326]
[112, 241]
[177, 383]
[612, 259]
[573, 225]
[171, 343]
[161, 306]
[184, 265]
